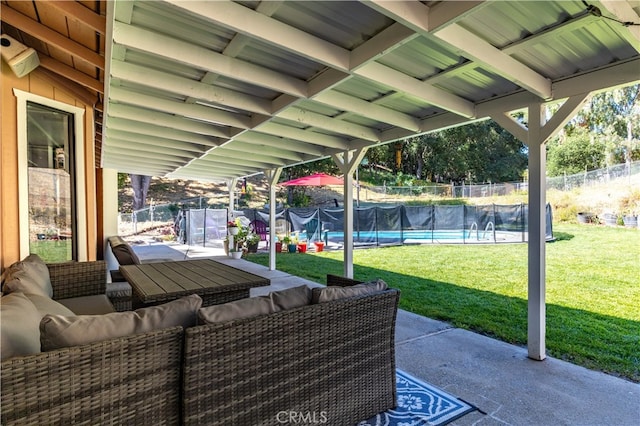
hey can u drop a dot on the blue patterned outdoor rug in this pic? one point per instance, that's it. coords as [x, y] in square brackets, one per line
[420, 404]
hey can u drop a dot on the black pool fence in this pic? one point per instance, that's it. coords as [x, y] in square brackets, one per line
[378, 225]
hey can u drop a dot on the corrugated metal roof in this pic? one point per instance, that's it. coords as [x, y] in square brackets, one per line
[312, 99]
[294, 81]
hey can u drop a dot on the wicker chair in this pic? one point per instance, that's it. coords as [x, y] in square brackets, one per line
[341, 281]
[75, 279]
[133, 381]
[130, 380]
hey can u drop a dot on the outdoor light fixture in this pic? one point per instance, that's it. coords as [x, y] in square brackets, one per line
[20, 58]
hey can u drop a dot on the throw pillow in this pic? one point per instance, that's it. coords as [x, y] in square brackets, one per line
[30, 275]
[61, 331]
[243, 308]
[124, 253]
[19, 331]
[275, 301]
[327, 294]
[291, 298]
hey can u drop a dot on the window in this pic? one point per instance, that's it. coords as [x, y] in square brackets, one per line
[51, 173]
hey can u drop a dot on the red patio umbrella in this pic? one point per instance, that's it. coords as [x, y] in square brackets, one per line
[318, 179]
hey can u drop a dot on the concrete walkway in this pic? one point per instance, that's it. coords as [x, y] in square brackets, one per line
[499, 379]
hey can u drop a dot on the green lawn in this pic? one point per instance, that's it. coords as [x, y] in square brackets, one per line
[51, 251]
[593, 290]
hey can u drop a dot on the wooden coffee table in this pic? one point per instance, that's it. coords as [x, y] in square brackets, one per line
[215, 282]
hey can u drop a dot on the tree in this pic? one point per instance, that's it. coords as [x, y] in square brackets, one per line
[477, 152]
[575, 153]
[140, 186]
[614, 116]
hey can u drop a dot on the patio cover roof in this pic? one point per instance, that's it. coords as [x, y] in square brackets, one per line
[216, 90]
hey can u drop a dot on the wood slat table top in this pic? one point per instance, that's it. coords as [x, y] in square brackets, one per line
[160, 280]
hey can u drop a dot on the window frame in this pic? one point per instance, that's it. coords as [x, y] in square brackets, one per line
[23, 170]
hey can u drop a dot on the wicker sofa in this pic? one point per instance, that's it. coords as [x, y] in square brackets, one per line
[330, 362]
[333, 362]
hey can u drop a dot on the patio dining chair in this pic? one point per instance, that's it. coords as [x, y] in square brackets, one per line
[313, 233]
[260, 228]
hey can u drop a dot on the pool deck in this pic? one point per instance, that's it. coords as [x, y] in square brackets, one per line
[498, 378]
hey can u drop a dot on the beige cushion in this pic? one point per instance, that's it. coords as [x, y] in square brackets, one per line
[19, 331]
[31, 275]
[291, 298]
[244, 308]
[59, 331]
[327, 294]
[45, 306]
[97, 304]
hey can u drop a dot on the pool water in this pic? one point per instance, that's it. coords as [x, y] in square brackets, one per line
[413, 236]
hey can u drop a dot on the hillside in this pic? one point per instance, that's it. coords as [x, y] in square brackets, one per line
[169, 191]
[599, 199]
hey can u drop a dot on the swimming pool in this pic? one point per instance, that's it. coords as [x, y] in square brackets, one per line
[425, 236]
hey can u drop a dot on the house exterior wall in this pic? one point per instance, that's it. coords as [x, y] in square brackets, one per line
[38, 84]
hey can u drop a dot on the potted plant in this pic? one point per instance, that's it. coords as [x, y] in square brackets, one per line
[279, 243]
[235, 253]
[585, 217]
[610, 219]
[252, 242]
[291, 245]
[630, 220]
[629, 208]
[233, 227]
[319, 245]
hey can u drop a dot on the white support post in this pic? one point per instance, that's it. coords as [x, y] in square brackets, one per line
[272, 177]
[348, 225]
[537, 195]
[348, 161]
[231, 187]
[535, 136]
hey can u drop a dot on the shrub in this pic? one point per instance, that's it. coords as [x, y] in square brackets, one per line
[564, 207]
[630, 204]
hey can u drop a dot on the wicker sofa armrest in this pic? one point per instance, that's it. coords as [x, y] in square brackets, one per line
[337, 280]
[335, 359]
[130, 380]
[75, 279]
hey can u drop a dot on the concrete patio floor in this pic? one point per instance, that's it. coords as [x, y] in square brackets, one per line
[499, 379]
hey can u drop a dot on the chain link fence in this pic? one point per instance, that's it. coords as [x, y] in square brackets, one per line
[594, 177]
[479, 190]
[157, 216]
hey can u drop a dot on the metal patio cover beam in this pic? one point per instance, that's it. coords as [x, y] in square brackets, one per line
[246, 21]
